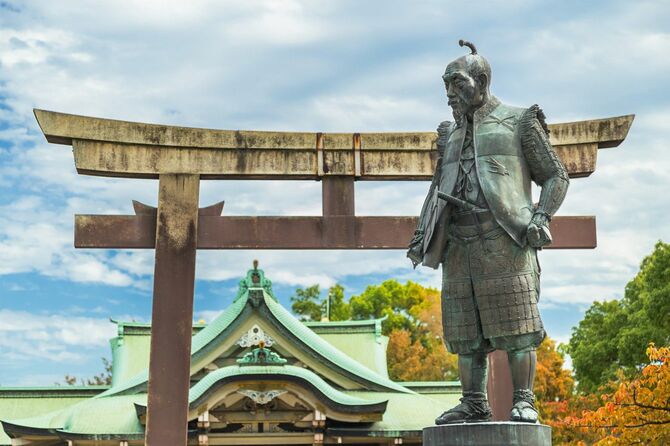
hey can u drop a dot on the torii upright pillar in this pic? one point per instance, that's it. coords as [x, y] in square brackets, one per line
[180, 157]
[174, 280]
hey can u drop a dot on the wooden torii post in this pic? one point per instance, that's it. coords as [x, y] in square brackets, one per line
[180, 157]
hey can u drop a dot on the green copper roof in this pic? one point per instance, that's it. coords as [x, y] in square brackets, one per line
[323, 387]
[406, 412]
[51, 391]
[326, 350]
[371, 323]
[200, 340]
[95, 416]
[262, 295]
[17, 403]
[214, 329]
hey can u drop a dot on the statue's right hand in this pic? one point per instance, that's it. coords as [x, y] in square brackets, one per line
[538, 236]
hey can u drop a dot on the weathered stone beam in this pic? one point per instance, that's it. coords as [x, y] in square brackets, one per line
[141, 161]
[128, 149]
[132, 232]
[607, 132]
[62, 128]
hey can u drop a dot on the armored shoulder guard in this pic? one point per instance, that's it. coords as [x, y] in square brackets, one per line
[545, 167]
[541, 157]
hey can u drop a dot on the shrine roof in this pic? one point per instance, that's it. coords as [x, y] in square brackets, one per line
[327, 351]
[406, 414]
[435, 389]
[108, 413]
[256, 291]
[51, 391]
[97, 418]
[320, 327]
[105, 418]
[350, 326]
[326, 389]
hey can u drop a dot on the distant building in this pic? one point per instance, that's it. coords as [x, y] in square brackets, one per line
[259, 376]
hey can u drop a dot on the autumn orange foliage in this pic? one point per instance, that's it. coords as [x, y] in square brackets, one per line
[411, 361]
[424, 358]
[552, 381]
[636, 412]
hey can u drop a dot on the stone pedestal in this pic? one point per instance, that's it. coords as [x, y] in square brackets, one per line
[503, 433]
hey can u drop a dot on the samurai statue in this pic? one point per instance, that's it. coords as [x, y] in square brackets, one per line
[480, 223]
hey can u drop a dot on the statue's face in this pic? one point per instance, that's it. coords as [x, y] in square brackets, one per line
[463, 91]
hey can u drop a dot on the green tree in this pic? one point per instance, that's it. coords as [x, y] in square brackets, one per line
[402, 306]
[614, 334]
[307, 303]
[310, 306]
[339, 308]
[593, 344]
[647, 303]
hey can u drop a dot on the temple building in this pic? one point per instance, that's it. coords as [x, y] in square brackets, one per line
[259, 376]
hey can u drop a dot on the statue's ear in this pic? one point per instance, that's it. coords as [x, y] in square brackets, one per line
[482, 81]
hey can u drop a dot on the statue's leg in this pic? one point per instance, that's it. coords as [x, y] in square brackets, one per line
[473, 370]
[463, 336]
[522, 365]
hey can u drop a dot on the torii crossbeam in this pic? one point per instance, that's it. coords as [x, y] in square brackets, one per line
[180, 157]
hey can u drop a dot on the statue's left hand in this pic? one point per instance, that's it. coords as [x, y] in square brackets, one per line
[538, 233]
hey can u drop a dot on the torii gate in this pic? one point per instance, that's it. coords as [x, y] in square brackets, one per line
[180, 157]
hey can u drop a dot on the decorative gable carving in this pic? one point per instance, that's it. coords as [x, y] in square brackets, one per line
[254, 337]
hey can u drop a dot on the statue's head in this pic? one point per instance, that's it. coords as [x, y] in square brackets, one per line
[467, 81]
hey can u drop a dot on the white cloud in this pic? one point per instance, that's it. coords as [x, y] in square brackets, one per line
[28, 336]
[347, 66]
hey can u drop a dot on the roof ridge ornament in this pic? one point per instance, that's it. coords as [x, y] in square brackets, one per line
[254, 280]
[261, 355]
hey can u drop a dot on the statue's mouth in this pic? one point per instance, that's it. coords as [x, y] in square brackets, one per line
[456, 105]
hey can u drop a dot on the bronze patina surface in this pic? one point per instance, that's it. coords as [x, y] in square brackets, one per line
[480, 223]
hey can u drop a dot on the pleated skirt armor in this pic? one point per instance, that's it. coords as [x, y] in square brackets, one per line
[490, 291]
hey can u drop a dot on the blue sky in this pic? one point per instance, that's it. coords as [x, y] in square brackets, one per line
[311, 66]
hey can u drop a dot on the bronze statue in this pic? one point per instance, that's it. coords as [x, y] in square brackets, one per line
[479, 221]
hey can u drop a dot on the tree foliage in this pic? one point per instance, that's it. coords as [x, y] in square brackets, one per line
[307, 303]
[637, 412]
[339, 308]
[408, 307]
[412, 322]
[593, 345]
[554, 392]
[102, 379]
[613, 335]
[410, 361]
[553, 382]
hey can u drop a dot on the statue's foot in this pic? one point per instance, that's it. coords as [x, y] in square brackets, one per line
[473, 408]
[524, 409]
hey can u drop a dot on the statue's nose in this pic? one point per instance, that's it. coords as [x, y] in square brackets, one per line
[450, 91]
